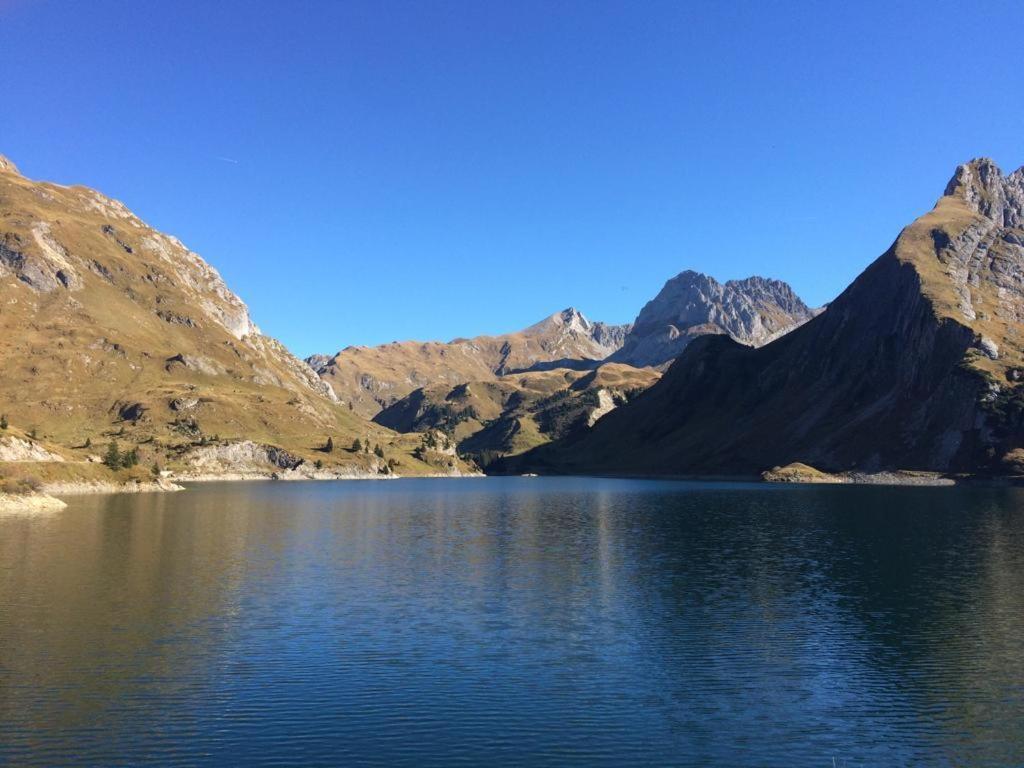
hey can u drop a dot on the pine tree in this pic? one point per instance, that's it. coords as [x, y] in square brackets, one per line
[130, 458]
[88, 443]
[378, 451]
[113, 456]
[3, 421]
[329, 445]
[357, 445]
[318, 464]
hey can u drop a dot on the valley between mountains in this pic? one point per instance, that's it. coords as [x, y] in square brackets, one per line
[127, 363]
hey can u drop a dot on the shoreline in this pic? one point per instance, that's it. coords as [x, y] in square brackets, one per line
[47, 499]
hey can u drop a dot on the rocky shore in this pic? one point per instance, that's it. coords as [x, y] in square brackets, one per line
[803, 473]
[29, 503]
[88, 487]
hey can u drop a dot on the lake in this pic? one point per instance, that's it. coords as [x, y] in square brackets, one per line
[516, 621]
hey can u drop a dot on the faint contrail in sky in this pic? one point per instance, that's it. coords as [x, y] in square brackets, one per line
[228, 160]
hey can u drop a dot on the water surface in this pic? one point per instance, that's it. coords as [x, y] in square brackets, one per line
[519, 621]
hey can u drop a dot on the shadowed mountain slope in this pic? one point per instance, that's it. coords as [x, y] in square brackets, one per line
[513, 413]
[917, 365]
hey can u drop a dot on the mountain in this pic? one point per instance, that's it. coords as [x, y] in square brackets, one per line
[110, 329]
[752, 311]
[918, 365]
[514, 413]
[370, 379]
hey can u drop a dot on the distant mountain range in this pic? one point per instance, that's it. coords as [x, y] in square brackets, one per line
[373, 378]
[752, 311]
[502, 395]
[917, 365]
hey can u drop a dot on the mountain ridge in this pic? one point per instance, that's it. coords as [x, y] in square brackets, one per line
[111, 330]
[374, 378]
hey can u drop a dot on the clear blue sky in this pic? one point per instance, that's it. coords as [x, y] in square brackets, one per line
[362, 172]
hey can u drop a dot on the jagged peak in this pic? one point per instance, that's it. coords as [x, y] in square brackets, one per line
[691, 277]
[572, 315]
[982, 185]
[570, 318]
[8, 166]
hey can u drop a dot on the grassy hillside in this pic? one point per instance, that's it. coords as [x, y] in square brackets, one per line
[110, 329]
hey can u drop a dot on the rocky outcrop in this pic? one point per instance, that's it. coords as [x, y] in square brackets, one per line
[803, 474]
[753, 311]
[18, 449]
[240, 457]
[984, 188]
[914, 367]
[29, 503]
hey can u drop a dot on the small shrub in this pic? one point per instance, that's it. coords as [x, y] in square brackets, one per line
[20, 486]
[3, 421]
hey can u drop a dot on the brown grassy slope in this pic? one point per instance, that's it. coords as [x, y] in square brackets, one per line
[108, 326]
[513, 413]
[373, 378]
[898, 373]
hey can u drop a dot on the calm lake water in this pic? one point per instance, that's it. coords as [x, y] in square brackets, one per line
[517, 621]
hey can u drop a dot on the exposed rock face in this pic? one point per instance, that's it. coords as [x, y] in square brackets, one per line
[982, 186]
[244, 457]
[374, 378]
[16, 449]
[752, 311]
[915, 366]
[564, 337]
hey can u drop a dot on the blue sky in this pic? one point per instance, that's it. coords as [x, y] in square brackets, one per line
[362, 172]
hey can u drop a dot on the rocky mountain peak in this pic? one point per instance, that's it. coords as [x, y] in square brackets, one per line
[982, 185]
[570, 319]
[754, 311]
